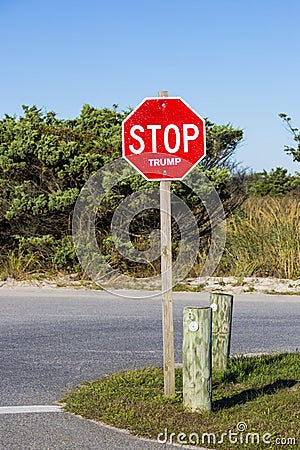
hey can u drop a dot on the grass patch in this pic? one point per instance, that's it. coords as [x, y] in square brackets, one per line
[186, 287]
[263, 392]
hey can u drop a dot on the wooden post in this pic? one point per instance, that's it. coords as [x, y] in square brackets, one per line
[196, 359]
[166, 282]
[221, 305]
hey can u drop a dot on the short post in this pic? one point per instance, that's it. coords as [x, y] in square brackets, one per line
[222, 306]
[166, 283]
[196, 359]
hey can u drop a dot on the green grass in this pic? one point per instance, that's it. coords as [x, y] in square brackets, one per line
[263, 392]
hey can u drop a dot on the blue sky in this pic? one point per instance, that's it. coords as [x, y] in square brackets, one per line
[233, 61]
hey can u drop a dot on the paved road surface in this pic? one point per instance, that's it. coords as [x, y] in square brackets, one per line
[52, 339]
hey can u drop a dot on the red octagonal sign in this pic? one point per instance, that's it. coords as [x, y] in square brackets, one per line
[163, 138]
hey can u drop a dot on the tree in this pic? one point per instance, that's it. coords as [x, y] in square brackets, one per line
[45, 161]
[295, 152]
[221, 142]
[275, 183]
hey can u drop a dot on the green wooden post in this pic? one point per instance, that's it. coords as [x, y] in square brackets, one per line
[196, 358]
[221, 305]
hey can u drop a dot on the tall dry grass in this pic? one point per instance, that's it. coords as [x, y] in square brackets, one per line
[263, 239]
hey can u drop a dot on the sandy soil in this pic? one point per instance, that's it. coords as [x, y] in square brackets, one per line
[226, 284]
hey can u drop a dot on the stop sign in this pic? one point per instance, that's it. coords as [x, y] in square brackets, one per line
[163, 138]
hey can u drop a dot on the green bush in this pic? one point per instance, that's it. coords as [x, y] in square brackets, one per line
[44, 163]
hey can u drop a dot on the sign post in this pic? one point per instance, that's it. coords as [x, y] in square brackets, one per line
[166, 283]
[164, 138]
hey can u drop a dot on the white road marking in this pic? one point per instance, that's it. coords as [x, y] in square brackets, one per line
[30, 409]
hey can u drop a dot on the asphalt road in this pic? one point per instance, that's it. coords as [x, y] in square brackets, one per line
[52, 339]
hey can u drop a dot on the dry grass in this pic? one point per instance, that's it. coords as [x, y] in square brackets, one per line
[263, 239]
